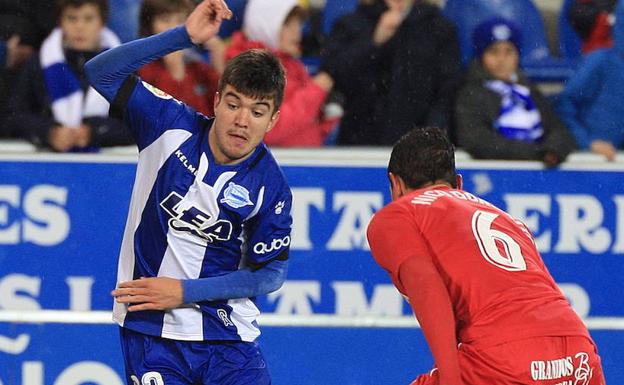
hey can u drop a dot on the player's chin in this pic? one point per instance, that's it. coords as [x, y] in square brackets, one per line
[238, 152]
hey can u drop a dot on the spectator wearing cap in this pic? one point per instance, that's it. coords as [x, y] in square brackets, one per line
[499, 114]
[592, 102]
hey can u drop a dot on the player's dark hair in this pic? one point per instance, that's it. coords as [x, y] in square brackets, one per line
[256, 73]
[102, 6]
[150, 9]
[424, 155]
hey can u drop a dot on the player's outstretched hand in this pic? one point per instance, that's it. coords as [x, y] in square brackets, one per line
[204, 22]
[159, 293]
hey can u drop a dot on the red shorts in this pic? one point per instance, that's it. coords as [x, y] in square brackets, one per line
[533, 361]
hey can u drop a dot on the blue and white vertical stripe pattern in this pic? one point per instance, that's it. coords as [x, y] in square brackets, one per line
[191, 218]
[69, 103]
[519, 118]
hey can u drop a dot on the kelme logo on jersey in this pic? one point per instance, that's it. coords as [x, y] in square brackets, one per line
[194, 220]
[276, 244]
[236, 196]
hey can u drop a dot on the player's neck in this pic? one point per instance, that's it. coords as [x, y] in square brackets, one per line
[436, 184]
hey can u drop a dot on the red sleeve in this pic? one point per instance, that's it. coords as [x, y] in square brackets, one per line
[399, 247]
[432, 306]
[393, 237]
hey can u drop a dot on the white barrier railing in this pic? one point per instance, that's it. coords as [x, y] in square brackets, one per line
[314, 320]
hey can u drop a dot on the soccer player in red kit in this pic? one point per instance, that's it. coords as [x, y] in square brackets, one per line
[487, 305]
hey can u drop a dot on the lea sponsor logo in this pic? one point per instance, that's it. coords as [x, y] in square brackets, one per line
[195, 221]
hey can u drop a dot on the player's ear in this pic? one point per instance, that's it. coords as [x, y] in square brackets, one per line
[217, 99]
[273, 120]
[460, 181]
[397, 186]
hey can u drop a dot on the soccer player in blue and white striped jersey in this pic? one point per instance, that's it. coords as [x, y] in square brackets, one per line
[209, 221]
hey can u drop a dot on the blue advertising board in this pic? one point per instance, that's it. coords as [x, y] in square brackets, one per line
[62, 219]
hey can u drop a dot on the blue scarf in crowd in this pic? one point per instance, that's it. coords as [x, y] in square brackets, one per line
[519, 118]
[69, 103]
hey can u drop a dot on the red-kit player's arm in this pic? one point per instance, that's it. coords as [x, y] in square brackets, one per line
[398, 246]
[432, 305]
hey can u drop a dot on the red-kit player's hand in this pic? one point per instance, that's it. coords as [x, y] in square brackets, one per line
[204, 22]
[159, 293]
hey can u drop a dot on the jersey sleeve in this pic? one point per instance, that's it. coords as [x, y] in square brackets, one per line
[394, 237]
[149, 111]
[269, 236]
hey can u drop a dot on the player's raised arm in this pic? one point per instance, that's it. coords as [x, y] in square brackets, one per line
[107, 71]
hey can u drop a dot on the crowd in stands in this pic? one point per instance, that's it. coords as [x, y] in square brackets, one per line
[379, 69]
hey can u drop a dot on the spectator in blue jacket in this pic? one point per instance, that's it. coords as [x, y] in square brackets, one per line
[592, 102]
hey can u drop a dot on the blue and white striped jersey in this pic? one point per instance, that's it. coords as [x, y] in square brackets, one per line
[190, 217]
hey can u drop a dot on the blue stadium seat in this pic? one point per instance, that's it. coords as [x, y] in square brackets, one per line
[124, 18]
[333, 10]
[569, 41]
[467, 14]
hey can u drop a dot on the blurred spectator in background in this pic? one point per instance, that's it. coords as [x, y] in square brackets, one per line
[277, 25]
[53, 104]
[191, 81]
[397, 64]
[592, 20]
[23, 25]
[592, 102]
[26, 23]
[499, 114]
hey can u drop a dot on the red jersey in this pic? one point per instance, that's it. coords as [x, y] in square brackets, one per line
[499, 287]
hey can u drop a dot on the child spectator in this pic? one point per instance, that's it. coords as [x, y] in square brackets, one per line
[189, 80]
[24, 24]
[53, 103]
[277, 25]
[499, 113]
[591, 103]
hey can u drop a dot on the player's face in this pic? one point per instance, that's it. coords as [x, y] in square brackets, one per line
[240, 125]
[501, 60]
[82, 26]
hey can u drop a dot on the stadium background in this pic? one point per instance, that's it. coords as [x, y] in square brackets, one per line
[337, 320]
